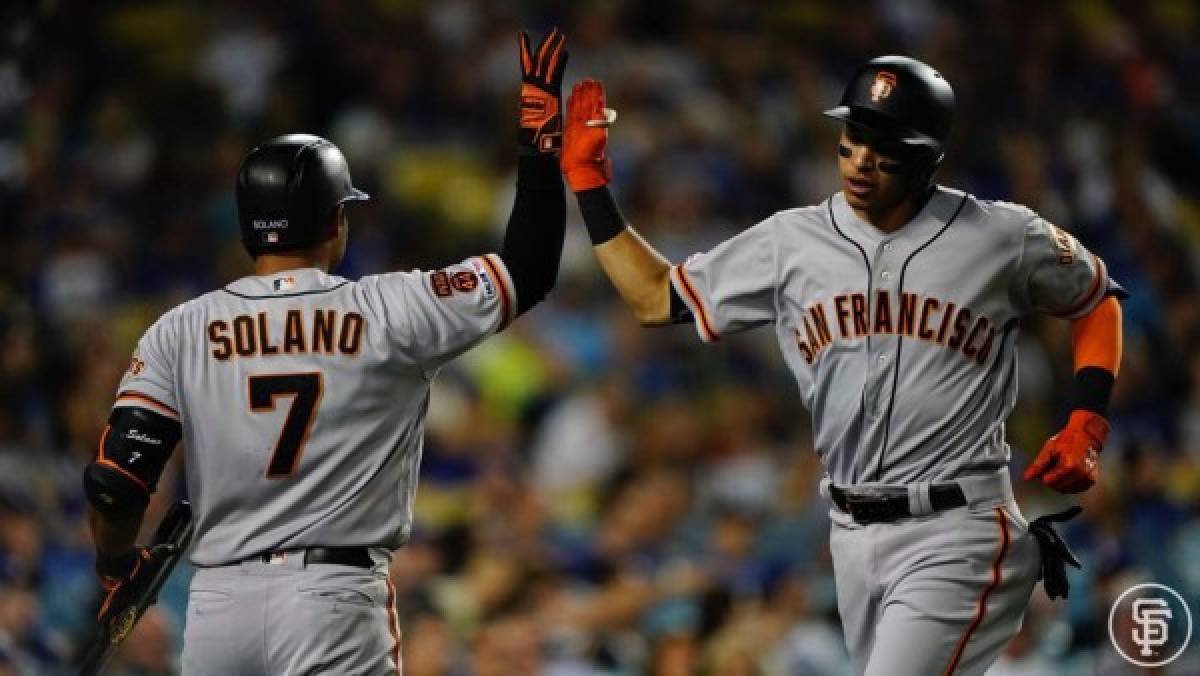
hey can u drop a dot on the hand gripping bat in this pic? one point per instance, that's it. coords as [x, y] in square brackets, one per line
[132, 598]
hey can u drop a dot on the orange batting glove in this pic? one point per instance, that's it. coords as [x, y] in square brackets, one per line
[541, 93]
[586, 137]
[1069, 462]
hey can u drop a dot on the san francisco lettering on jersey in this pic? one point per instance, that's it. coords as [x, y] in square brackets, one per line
[912, 315]
[325, 332]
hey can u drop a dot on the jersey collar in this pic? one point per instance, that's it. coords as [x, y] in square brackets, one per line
[937, 211]
[284, 284]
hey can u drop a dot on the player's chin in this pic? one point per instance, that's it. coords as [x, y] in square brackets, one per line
[857, 200]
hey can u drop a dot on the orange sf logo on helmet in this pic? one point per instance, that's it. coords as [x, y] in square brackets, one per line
[884, 83]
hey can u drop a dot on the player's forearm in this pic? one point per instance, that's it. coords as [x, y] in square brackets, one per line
[114, 536]
[534, 239]
[640, 274]
[1096, 338]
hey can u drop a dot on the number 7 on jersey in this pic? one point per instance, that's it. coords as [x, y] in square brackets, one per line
[305, 390]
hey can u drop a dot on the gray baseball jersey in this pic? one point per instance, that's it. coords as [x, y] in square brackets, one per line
[302, 398]
[903, 344]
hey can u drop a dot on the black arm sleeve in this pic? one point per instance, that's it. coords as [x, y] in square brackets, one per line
[534, 239]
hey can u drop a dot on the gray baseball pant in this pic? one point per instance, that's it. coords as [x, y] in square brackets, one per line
[937, 593]
[284, 617]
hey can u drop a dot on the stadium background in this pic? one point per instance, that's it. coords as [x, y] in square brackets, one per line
[595, 498]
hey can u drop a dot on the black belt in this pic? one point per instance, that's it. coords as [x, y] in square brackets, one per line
[865, 508]
[358, 557]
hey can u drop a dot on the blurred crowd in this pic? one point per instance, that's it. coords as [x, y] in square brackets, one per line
[595, 498]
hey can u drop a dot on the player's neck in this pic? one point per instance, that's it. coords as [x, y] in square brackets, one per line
[893, 218]
[269, 264]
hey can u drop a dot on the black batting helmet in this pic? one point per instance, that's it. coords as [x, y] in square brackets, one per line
[902, 99]
[286, 190]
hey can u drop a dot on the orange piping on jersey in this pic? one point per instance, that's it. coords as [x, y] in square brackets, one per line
[505, 300]
[1098, 283]
[981, 608]
[142, 399]
[702, 314]
[503, 280]
[394, 624]
[1097, 339]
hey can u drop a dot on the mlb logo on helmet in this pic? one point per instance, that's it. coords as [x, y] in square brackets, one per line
[271, 237]
[882, 88]
[285, 283]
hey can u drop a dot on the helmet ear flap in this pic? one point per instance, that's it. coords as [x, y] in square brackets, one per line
[921, 169]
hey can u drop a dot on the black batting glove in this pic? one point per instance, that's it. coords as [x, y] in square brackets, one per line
[117, 569]
[540, 128]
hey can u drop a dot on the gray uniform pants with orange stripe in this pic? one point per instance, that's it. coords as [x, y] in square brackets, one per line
[941, 593]
[284, 617]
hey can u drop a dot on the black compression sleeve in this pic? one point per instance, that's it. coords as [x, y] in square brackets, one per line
[534, 239]
[600, 214]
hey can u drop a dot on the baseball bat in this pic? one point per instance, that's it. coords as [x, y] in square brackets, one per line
[170, 540]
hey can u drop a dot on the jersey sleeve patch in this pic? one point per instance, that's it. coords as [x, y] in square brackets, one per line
[1094, 295]
[150, 378]
[1064, 243]
[687, 292]
[439, 282]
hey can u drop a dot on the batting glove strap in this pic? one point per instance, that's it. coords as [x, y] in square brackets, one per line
[1056, 555]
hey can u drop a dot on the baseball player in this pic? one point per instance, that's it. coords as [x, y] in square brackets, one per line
[896, 303]
[301, 398]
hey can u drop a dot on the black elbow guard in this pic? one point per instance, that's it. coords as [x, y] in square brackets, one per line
[112, 493]
[133, 452]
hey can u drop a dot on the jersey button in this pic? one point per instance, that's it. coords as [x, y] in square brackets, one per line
[887, 246]
[885, 274]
